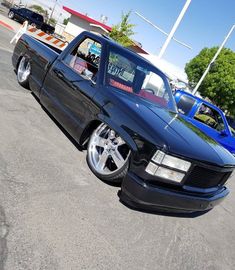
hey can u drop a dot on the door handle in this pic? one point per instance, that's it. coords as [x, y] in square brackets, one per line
[59, 73]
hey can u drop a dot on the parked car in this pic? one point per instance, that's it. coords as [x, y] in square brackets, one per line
[207, 117]
[23, 14]
[120, 107]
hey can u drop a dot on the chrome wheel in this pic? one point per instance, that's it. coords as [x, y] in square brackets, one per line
[108, 153]
[23, 71]
[11, 15]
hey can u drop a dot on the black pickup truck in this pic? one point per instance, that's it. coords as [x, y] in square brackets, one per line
[120, 108]
[34, 19]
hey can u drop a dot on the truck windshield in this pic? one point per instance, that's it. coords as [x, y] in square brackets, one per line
[140, 79]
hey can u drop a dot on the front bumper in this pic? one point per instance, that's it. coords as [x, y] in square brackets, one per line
[138, 194]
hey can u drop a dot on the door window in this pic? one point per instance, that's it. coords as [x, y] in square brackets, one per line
[210, 117]
[85, 59]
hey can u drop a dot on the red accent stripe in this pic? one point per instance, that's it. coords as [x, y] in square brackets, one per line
[7, 26]
[56, 41]
[41, 34]
[49, 38]
[86, 18]
[32, 30]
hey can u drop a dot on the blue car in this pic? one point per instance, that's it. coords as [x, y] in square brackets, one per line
[207, 117]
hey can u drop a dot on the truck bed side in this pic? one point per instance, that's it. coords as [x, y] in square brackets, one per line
[41, 56]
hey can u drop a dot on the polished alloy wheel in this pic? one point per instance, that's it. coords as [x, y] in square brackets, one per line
[107, 152]
[23, 71]
[11, 15]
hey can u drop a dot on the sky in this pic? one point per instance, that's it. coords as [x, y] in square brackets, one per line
[205, 23]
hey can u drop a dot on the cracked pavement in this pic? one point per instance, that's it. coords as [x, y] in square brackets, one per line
[56, 215]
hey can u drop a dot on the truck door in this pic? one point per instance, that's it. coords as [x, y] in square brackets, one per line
[71, 84]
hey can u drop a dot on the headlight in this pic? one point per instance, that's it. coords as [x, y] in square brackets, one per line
[170, 161]
[168, 167]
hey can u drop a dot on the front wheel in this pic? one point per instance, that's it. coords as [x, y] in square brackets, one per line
[11, 15]
[108, 154]
[23, 72]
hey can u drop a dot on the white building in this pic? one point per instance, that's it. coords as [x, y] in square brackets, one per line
[79, 22]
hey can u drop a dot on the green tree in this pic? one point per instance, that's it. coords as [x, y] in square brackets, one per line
[219, 84]
[123, 31]
[65, 22]
[52, 21]
[38, 9]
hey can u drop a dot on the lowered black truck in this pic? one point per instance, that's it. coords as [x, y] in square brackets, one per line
[120, 108]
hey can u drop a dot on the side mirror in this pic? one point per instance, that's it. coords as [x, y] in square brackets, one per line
[223, 133]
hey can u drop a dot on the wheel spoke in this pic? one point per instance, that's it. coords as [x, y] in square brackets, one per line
[117, 158]
[102, 160]
[120, 141]
[100, 142]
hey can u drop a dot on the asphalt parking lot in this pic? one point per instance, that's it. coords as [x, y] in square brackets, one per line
[55, 214]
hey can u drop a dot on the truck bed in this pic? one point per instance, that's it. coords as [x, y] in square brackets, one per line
[41, 54]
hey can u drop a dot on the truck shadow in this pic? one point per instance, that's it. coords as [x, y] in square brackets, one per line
[72, 140]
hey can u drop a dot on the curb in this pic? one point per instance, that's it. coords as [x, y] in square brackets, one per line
[7, 26]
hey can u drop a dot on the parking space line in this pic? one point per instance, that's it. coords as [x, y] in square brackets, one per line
[6, 25]
[6, 50]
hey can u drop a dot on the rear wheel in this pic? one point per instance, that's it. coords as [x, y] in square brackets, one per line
[108, 154]
[23, 72]
[11, 15]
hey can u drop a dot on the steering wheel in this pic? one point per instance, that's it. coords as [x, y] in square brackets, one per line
[149, 90]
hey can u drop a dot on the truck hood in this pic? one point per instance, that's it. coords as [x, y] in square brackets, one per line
[168, 129]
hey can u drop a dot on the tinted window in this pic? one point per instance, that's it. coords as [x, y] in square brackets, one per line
[37, 17]
[185, 104]
[129, 75]
[85, 59]
[210, 117]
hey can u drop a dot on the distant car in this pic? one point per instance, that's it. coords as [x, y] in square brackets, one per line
[23, 14]
[207, 117]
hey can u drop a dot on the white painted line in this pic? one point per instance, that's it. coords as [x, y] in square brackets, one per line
[6, 50]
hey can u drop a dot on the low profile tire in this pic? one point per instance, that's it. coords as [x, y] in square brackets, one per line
[11, 15]
[108, 155]
[23, 72]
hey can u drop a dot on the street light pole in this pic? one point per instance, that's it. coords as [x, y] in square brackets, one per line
[52, 11]
[170, 36]
[213, 60]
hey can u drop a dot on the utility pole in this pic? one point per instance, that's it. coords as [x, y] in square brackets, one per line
[53, 9]
[170, 36]
[213, 60]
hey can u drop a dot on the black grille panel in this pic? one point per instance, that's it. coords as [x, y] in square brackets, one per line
[205, 178]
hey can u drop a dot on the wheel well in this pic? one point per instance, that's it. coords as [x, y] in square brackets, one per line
[88, 131]
[18, 62]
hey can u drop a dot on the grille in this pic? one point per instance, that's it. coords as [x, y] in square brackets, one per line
[205, 178]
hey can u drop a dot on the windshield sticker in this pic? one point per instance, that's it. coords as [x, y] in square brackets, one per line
[115, 70]
[143, 70]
